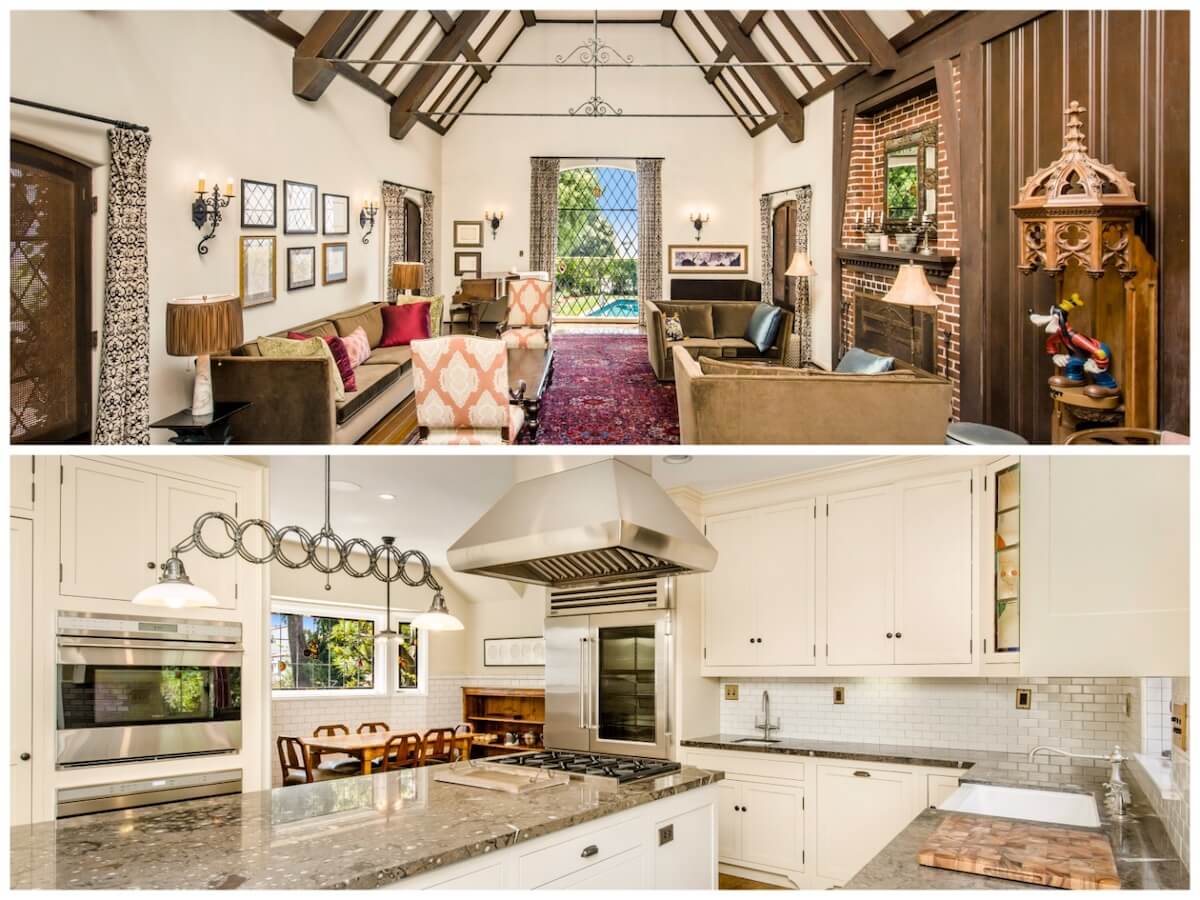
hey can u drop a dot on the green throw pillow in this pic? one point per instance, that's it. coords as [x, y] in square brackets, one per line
[284, 348]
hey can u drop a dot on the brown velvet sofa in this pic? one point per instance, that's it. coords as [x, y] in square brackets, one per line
[293, 400]
[722, 402]
[728, 327]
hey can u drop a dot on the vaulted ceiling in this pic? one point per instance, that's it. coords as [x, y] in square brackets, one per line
[818, 51]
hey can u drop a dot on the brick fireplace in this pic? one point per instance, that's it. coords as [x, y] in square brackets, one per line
[863, 282]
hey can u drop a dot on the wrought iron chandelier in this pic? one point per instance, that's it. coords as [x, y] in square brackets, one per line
[324, 551]
[595, 53]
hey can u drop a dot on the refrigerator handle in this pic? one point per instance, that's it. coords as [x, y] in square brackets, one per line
[594, 683]
[582, 681]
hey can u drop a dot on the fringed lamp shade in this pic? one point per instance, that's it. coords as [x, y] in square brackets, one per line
[1077, 210]
[203, 324]
[407, 276]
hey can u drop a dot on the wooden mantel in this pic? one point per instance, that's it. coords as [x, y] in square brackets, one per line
[888, 262]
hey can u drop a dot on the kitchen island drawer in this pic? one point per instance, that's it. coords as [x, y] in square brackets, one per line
[762, 765]
[576, 854]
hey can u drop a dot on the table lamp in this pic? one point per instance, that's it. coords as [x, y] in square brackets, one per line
[407, 276]
[200, 326]
[911, 288]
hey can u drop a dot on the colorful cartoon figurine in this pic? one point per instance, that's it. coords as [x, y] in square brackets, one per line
[1077, 355]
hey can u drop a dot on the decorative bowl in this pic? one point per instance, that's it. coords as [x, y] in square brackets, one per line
[871, 241]
[906, 242]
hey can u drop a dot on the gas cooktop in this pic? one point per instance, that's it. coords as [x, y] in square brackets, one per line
[596, 767]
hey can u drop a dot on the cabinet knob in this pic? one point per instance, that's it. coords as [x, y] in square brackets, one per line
[759, 640]
[898, 635]
[889, 635]
[25, 757]
[752, 640]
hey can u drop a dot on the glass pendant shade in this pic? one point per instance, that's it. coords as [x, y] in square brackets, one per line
[174, 590]
[437, 618]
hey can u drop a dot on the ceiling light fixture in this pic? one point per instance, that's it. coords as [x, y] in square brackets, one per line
[387, 496]
[676, 459]
[437, 617]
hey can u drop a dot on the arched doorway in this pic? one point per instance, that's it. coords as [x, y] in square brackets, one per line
[412, 230]
[597, 256]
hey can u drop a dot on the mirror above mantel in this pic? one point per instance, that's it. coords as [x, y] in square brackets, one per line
[910, 177]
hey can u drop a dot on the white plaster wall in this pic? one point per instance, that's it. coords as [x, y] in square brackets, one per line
[708, 163]
[778, 163]
[216, 92]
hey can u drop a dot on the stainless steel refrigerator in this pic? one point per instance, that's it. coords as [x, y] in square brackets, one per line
[608, 669]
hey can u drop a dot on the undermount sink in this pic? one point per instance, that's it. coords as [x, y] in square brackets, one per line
[756, 740]
[1055, 807]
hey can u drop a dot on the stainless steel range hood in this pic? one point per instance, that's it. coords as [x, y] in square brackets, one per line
[601, 522]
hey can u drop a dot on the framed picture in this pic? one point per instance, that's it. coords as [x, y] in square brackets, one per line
[256, 270]
[333, 262]
[719, 259]
[468, 264]
[468, 234]
[336, 213]
[520, 651]
[258, 203]
[299, 208]
[301, 267]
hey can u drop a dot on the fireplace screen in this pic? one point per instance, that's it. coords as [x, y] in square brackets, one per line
[905, 332]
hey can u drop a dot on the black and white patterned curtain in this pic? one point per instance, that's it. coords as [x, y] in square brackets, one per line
[799, 351]
[123, 404]
[543, 214]
[765, 245]
[427, 243]
[394, 223]
[650, 252]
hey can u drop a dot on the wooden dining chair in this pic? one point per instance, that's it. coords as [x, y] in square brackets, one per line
[438, 746]
[341, 764]
[294, 764]
[373, 727]
[402, 751]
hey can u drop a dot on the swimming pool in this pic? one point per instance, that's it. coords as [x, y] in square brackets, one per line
[621, 308]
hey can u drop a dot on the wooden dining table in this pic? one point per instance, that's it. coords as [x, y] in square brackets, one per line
[368, 747]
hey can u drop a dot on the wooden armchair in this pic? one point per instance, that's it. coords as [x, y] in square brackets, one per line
[373, 727]
[461, 388]
[527, 322]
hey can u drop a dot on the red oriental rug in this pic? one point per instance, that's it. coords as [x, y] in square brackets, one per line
[604, 392]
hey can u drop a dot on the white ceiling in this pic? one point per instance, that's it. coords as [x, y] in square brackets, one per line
[440, 497]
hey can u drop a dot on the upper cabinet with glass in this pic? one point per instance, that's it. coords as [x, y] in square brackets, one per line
[911, 174]
[1002, 617]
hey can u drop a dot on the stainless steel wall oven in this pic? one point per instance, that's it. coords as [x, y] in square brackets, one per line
[146, 688]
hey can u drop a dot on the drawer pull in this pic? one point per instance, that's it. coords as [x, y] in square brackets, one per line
[859, 773]
[589, 850]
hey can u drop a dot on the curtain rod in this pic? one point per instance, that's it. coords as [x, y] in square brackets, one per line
[79, 115]
[798, 187]
[407, 187]
[599, 157]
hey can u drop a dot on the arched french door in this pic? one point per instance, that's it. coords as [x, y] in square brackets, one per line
[783, 242]
[597, 258]
[412, 230]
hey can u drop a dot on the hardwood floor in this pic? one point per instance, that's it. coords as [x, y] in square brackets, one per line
[737, 883]
[397, 427]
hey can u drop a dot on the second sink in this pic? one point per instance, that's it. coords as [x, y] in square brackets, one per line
[1056, 807]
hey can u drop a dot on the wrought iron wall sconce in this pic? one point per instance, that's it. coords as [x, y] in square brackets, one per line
[494, 219]
[366, 219]
[698, 222]
[206, 209]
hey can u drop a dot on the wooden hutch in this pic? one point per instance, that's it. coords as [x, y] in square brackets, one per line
[505, 711]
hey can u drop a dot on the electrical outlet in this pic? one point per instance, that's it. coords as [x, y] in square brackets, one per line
[666, 834]
[1024, 698]
[839, 696]
[731, 692]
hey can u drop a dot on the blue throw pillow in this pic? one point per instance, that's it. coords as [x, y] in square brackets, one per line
[764, 326]
[862, 362]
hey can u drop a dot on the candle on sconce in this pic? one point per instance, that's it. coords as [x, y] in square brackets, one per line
[228, 187]
[200, 184]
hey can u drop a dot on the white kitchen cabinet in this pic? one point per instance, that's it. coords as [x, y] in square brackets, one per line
[624, 872]
[859, 810]
[773, 825]
[1105, 566]
[20, 711]
[729, 819]
[685, 852]
[180, 503]
[934, 571]
[860, 577]
[1001, 549]
[760, 599]
[108, 539]
[939, 787]
[20, 493]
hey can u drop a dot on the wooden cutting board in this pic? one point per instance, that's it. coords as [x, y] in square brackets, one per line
[494, 778]
[1022, 851]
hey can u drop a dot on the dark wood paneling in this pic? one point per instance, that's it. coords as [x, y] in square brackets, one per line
[1133, 79]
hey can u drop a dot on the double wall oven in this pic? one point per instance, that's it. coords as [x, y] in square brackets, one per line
[146, 688]
[608, 668]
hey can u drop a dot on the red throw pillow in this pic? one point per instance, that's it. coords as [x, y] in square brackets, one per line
[341, 356]
[404, 324]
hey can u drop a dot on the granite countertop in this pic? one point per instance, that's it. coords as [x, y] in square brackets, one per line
[359, 832]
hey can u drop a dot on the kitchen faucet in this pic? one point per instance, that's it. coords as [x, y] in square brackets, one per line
[765, 724]
[1116, 790]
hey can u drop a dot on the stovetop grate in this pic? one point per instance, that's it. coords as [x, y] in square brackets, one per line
[622, 769]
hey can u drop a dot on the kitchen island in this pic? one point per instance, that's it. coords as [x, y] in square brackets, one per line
[376, 830]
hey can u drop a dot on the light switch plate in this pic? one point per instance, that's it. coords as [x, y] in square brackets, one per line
[731, 692]
[1024, 698]
[839, 696]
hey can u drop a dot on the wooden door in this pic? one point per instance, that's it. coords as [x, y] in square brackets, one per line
[412, 230]
[20, 672]
[785, 570]
[859, 811]
[729, 819]
[730, 592]
[934, 571]
[773, 825]
[109, 537]
[860, 575]
[180, 503]
[1105, 567]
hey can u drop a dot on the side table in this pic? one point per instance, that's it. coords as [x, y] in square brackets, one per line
[214, 429]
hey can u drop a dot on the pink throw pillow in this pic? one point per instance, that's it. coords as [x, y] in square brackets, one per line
[404, 324]
[358, 346]
[341, 356]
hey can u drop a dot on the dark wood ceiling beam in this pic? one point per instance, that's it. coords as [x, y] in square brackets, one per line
[272, 26]
[717, 85]
[840, 46]
[864, 36]
[473, 86]
[312, 71]
[801, 41]
[834, 81]
[668, 18]
[426, 78]
[528, 17]
[762, 126]
[749, 23]
[446, 22]
[389, 39]
[922, 27]
[361, 32]
[791, 113]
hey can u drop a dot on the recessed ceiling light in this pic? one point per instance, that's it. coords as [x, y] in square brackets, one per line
[344, 487]
[676, 459]
[387, 496]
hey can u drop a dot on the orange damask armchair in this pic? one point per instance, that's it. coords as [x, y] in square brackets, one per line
[462, 391]
[527, 324]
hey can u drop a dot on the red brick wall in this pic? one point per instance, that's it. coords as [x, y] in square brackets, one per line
[864, 190]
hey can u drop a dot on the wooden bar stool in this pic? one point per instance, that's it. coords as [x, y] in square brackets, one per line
[402, 751]
[294, 763]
